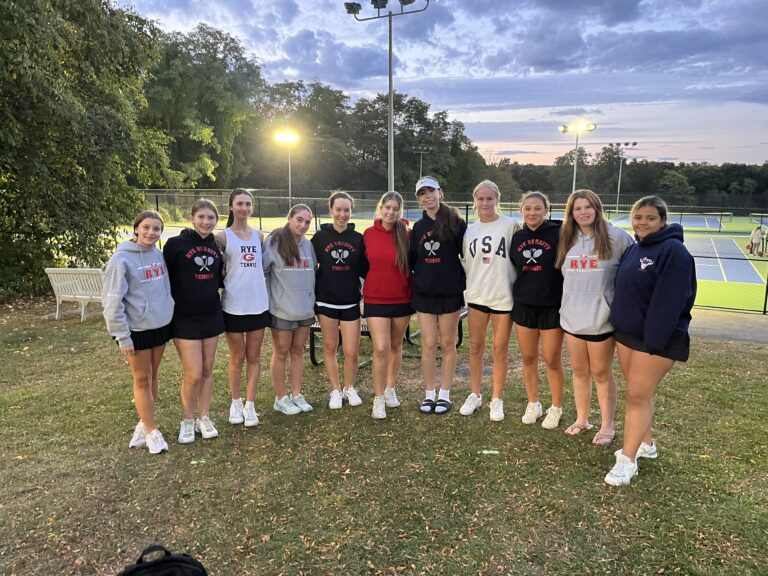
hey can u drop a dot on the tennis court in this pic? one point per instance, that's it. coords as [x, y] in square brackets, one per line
[721, 260]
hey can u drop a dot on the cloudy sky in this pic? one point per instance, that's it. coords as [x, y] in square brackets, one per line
[686, 79]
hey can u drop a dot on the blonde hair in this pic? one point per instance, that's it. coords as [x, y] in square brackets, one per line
[487, 185]
[400, 229]
[569, 229]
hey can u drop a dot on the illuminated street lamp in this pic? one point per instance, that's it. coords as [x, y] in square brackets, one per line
[577, 128]
[353, 9]
[289, 139]
[618, 147]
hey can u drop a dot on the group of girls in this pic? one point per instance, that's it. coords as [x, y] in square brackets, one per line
[581, 279]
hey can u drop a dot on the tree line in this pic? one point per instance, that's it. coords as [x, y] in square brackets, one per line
[97, 102]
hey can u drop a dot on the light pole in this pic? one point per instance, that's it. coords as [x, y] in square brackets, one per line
[620, 151]
[578, 128]
[422, 149]
[289, 139]
[354, 8]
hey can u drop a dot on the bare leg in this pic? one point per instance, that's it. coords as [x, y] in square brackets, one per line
[191, 355]
[428, 329]
[141, 367]
[477, 323]
[350, 343]
[501, 325]
[253, 342]
[205, 391]
[601, 367]
[552, 350]
[396, 335]
[296, 367]
[281, 344]
[582, 383]
[528, 342]
[236, 344]
[380, 339]
[330, 331]
[448, 326]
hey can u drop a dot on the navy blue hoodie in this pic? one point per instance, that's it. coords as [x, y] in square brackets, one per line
[655, 288]
[195, 269]
[342, 262]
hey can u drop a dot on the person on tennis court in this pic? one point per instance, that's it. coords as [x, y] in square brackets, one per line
[588, 256]
[438, 284]
[195, 268]
[537, 293]
[245, 304]
[138, 309]
[756, 241]
[387, 298]
[289, 262]
[341, 264]
[651, 312]
[490, 276]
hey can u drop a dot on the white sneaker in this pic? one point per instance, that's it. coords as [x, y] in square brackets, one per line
[300, 403]
[250, 418]
[533, 412]
[472, 403]
[236, 412]
[552, 419]
[379, 411]
[622, 472]
[497, 410]
[156, 443]
[336, 400]
[205, 426]
[285, 406]
[647, 451]
[390, 398]
[352, 396]
[187, 432]
[139, 436]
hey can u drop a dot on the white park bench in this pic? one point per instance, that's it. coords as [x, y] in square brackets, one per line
[81, 285]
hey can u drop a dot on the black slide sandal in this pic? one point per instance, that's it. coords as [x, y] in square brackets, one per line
[446, 406]
[427, 406]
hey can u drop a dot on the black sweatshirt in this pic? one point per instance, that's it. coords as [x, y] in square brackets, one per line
[534, 253]
[436, 267]
[342, 262]
[195, 270]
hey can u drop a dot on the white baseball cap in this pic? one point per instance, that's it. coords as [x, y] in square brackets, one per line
[427, 181]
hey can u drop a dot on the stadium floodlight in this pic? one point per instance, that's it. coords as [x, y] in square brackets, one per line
[289, 139]
[576, 127]
[620, 151]
[353, 8]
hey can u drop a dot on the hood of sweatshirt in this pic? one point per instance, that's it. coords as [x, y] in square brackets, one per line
[669, 231]
[330, 228]
[379, 226]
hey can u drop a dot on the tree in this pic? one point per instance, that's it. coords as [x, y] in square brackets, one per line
[72, 78]
[202, 92]
[675, 189]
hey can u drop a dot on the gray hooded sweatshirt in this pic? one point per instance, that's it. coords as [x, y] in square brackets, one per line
[588, 284]
[137, 293]
[291, 288]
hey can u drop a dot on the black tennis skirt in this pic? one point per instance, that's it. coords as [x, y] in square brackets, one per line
[428, 304]
[198, 327]
[247, 322]
[387, 310]
[148, 339]
[536, 317]
[678, 347]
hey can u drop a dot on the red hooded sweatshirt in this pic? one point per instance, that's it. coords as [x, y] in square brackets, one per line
[385, 283]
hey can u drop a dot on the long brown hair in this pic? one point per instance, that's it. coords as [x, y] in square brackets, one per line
[569, 230]
[400, 229]
[286, 243]
[447, 219]
[232, 195]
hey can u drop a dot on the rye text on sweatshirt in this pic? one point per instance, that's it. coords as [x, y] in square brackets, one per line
[655, 288]
[588, 284]
[136, 294]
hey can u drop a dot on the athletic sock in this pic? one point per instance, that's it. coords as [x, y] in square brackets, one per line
[445, 395]
[430, 395]
[249, 405]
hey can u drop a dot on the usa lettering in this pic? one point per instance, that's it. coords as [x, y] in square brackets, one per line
[486, 246]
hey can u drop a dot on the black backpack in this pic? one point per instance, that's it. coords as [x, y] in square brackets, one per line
[167, 564]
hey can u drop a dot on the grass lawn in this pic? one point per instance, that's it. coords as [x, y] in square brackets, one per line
[339, 493]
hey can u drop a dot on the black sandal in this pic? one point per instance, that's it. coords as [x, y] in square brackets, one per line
[446, 406]
[427, 406]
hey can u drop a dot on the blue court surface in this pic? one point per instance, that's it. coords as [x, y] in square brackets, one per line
[721, 260]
